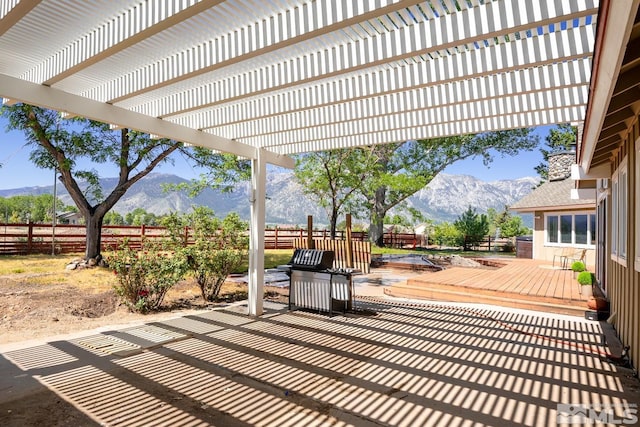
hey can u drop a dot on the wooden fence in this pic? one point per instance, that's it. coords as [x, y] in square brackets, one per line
[360, 252]
[23, 239]
[284, 238]
[30, 238]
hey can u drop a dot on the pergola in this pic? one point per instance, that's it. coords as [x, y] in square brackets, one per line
[265, 79]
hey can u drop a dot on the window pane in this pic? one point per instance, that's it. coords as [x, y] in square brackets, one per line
[565, 228]
[552, 229]
[592, 229]
[581, 229]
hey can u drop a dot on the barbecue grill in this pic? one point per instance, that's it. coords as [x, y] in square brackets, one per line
[315, 284]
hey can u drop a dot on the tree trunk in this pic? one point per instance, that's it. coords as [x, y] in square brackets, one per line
[94, 234]
[378, 212]
[333, 222]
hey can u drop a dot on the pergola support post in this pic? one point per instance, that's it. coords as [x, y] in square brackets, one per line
[256, 236]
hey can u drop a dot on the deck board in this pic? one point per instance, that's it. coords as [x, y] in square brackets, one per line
[522, 283]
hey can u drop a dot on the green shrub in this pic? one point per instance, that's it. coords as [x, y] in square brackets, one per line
[144, 277]
[578, 266]
[509, 247]
[220, 247]
[584, 278]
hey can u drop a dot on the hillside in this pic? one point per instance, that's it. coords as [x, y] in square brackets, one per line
[442, 200]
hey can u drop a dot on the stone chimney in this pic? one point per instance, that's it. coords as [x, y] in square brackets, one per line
[560, 165]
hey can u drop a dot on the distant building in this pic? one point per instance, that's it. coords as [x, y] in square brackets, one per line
[73, 218]
[560, 223]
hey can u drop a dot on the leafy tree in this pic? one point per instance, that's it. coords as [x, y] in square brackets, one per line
[331, 178]
[387, 174]
[399, 220]
[514, 227]
[139, 216]
[446, 234]
[472, 227]
[508, 224]
[113, 218]
[66, 144]
[561, 138]
[33, 208]
[402, 169]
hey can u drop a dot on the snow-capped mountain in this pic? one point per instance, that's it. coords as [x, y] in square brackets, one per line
[444, 199]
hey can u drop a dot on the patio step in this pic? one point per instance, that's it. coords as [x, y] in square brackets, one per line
[419, 289]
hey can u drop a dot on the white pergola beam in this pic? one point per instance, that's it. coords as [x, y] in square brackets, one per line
[480, 112]
[13, 11]
[458, 127]
[47, 97]
[466, 65]
[353, 92]
[282, 29]
[256, 238]
[413, 108]
[125, 30]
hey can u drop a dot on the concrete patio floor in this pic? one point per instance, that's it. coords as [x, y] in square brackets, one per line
[395, 363]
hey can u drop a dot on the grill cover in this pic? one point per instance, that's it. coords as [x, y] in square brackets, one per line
[312, 259]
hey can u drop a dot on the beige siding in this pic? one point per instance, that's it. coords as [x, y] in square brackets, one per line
[623, 282]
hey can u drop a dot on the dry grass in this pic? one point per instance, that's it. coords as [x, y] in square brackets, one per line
[39, 297]
[47, 270]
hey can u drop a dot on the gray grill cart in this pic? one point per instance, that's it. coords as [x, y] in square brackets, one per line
[315, 284]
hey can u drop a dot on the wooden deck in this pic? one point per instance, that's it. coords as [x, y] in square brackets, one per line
[519, 283]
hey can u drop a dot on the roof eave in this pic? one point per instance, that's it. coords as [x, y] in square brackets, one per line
[530, 209]
[610, 48]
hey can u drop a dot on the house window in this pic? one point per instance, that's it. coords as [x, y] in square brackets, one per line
[552, 229]
[619, 213]
[581, 227]
[571, 229]
[566, 226]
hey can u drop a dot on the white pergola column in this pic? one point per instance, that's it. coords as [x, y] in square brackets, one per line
[257, 197]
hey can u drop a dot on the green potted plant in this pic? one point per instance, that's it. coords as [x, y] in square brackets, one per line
[578, 266]
[586, 283]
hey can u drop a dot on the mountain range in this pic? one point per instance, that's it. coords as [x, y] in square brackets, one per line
[444, 199]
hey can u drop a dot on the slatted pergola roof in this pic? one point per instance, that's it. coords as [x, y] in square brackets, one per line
[265, 79]
[294, 76]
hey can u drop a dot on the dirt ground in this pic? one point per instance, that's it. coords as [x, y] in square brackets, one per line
[37, 305]
[30, 310]
[38, 302]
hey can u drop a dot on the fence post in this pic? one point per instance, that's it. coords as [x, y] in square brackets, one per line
[348, 242]
[310, 244]
[186, 236]
[29, 237]
[275, 238]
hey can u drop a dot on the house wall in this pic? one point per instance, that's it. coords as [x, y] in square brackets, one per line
[546, 253]
[623, 281]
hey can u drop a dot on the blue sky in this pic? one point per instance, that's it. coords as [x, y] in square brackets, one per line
[17, 171]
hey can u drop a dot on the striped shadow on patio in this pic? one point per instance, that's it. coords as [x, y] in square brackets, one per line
[387, 364]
